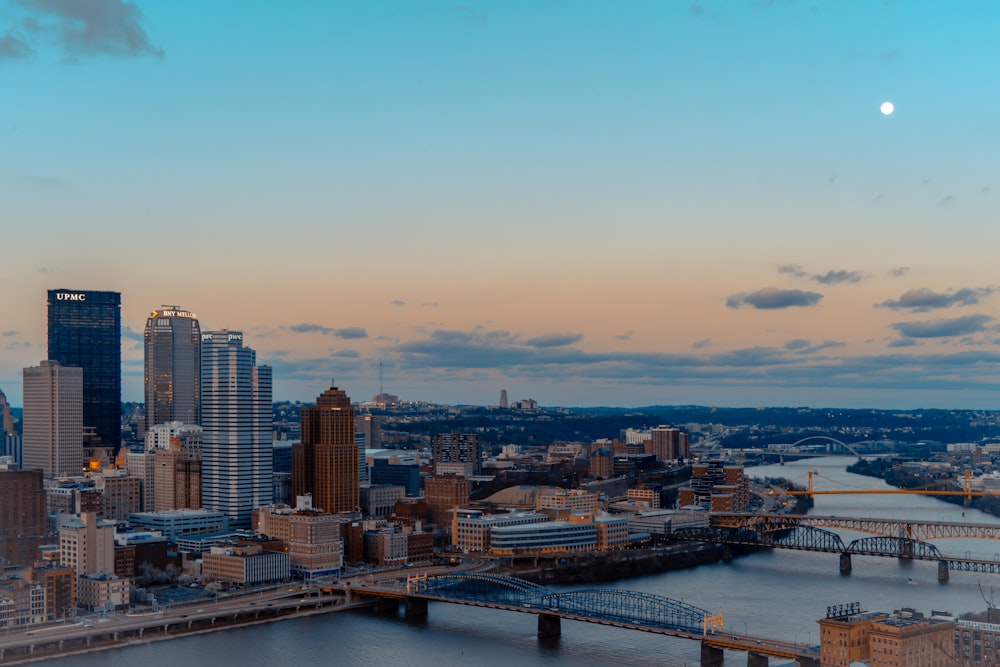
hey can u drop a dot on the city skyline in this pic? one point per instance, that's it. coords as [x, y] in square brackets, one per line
[578, 202]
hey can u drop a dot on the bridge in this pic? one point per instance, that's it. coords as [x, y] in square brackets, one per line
[893, 538]
[632, 610]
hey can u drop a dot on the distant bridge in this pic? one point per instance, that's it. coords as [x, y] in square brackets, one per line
[615, 607]
[893, 538]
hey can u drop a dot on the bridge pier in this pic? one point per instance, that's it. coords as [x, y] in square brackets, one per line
[756, 659]
[415, 607]
[386, 605]
[845, 563]
[943, 571]
[807, 662]
[549, 625]
[711, 656]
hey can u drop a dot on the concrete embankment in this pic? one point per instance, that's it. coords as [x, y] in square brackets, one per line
[48, 642]
[614, 565]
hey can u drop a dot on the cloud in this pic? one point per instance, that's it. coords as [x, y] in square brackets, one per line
[88, 27]
[345, 354]
[903, 342]
[19, 345]
[837, 277]
[13, 46]
[351, 333]
[8, 334]
[943, 328]
[347, 333]
[129, 334]
[625, 336]
[804, 346]
[899, 271]
[771, 298]
[554, 340]
[704, 342]
[430, 304]
[831, 277]
[397, 302]
[947, 200]
[924, 299]
[792, 269]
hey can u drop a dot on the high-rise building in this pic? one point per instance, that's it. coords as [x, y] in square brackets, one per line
[6, 419]
[328, 453]
[456, 453]
[177, 479]
[52, 421]
[85, 331]
[23, 520]
[172, 353]
[236, 409]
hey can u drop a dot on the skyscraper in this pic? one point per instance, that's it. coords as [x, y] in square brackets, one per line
[85, 331]
[52, 421]
[172, 367]
[6, 419]
[329, 453]
[237, 461]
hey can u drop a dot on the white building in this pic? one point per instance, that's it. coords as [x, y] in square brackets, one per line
[237, 461]
[52, 421]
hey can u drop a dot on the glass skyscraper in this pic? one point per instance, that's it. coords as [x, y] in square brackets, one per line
[85, 330]
[236, 458]
[172, 367]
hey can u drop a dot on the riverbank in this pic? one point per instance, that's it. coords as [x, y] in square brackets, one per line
[47, 642]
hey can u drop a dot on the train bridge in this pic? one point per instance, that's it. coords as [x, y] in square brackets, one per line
[632, 610]
[892, 538]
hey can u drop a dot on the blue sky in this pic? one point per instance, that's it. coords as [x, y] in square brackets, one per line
[582, 202]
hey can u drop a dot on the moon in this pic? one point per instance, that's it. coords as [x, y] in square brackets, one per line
[887, 108]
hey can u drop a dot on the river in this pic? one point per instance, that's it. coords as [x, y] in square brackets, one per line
[779, 594]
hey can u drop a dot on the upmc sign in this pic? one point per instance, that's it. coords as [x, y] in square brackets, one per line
[71, 296]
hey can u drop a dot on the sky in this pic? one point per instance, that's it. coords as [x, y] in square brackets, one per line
[585, 203]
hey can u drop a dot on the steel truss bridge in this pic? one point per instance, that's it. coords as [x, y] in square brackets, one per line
[615, 607]
[892, 538]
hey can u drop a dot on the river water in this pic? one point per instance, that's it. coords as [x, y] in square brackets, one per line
[779, 594]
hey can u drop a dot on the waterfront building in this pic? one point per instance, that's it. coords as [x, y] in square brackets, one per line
[644, 496]
[59, 582]
[312, 537]
[905, 638]
[23, 520]
[445, 493]
[246, 565]
[172, 367]
[577, 534]
[457, 453]
[612, 532]
[84, 330]
[716, 486]
[236, 421]
[52, 421]
[21, 603]
[471, 529]
[101, 590]
[325, 463]
[574, 499]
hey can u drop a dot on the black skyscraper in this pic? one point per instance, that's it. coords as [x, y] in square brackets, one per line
[85, 331]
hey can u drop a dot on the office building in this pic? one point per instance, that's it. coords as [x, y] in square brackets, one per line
[325, 463]
[88, 545]
[456, 454]
[177, 478]
[23, 524]
[6, 418]
[669, 444]
[312, 537]
[52, 421]
[85, 331]
[172, 367]
[236, 458]
[444, 494]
